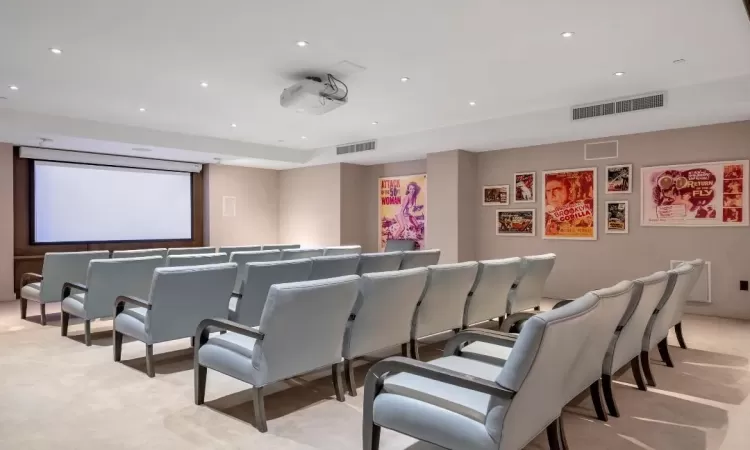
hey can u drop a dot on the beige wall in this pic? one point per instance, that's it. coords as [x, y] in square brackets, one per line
[310, 205]
[6, 222]
[257, 205]
[585, 265]
[354, 193]
[467, 174]
[441, 219]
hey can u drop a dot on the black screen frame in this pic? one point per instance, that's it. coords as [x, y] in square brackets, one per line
[32, 206]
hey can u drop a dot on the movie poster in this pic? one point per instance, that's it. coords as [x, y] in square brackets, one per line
[619, 179]
[496, 195]
[617, 217]
[525, 187]
[695, 195]
[570, 204]
[515, 222]
[401, 208]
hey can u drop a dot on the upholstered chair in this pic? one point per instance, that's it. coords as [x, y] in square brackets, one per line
[382, 315]
[379, 262]
[333, 266]
[441, 307]
[625, 347]
[229, 249]
[180, 297]
[463, 404]
[140, 253]
[106, 279]
[260, 276]
[198, 259]
[679, 287]
[399, 245]
[698, 265]
[300, 331]
[281, 246]
[190, 250]
[420, 258]
[489, 295]
[343, 250]
[57, 268]
[242, 258]
[300, 253]
[528, 289]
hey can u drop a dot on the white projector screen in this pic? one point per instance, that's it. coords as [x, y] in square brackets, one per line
[88, 203]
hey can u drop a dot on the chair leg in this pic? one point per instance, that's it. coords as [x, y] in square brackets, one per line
[349, 372]
[414, 348]
[150, 360]
[563, 439]
[24, 305]
[87, 333]
[537, 308]
[664, 353]
[646, 365]
[260, 410]
[635, 366]
[370, 436]
[553, 435]
[199, 377]
[117, 344]
[405, 350]
[456, 330]
[338, 382]
[680, 337]
[65, 318]
[609, 397]
[43, 313]
[596, 397]
[192, 341]
[500, 321]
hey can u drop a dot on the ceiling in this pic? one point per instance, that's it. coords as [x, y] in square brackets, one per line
[508, 57]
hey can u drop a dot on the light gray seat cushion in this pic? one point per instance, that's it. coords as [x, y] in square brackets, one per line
[231, 354]
[32, 291]
[74, 305]
[190, 250]
[333, 266]
[489, 353]
[300, 253]
[132, 322]
[379, 262]
[529, 288]
[420, 258]
[444, 299]
[197, 259]
[343, 250]
[489, 295]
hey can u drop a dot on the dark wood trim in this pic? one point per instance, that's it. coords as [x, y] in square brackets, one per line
[747, 8]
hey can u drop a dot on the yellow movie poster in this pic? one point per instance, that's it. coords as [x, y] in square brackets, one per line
[570, 204]
[401, 208]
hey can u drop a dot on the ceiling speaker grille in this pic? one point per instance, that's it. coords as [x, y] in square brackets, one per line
[356, 147]
[611, 107]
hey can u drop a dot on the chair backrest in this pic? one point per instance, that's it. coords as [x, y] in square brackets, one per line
[229, 249]
[383, 311]
[343, 250]
[242, 258]
[140, 253]
[530, 284]
[260, 277]
[198, 259]
[190, 250]
[300, 253]
[280, 246]
[420, 258]
[626, 344]
[379, 262]
[109, 278]
[400, 245]
[442, 305]
[698, 265]
[538, 369]
[303, 325]
[333, 266]
[183, 296]
[489, 295]
[59, 267]
[673, 299]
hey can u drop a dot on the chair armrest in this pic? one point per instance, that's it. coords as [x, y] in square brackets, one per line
[397, 364]
[454, 344]
[122, 299]
[227, 325]
[27, 278]
[69, 286]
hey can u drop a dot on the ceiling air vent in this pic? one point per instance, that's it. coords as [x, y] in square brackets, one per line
[356, 147]
[612, 107]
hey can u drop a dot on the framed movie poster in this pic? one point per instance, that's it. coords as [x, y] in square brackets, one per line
[569, 204]
[401, 208]
[695, 195]
[515, 222]
[617, 217]
[496, 195]
[524, 187]
[619, 179]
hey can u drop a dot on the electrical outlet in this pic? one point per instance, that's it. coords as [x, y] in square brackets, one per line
[743, 285]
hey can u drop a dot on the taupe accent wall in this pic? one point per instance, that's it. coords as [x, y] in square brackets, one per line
[6, 222]
[310, 205]
[586, 265]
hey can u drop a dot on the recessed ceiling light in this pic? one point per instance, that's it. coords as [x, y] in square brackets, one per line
[142, 109]
[304, 137]
[13, 87]
[679, 61]
[56, 51]
[302, 43]
[619, 74]
[404, 79]
[204, 84]
[567, 34]
[472, 103]
[234, 125]
[374, 123]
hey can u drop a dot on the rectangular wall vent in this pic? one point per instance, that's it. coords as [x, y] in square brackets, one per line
[601, 150]
[618, 106]
[356, 147]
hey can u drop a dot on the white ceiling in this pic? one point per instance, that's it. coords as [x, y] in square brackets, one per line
[508, 57]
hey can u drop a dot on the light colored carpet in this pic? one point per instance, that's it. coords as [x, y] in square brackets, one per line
[57, 393]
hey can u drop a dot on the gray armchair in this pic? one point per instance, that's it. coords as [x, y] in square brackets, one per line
[105, 281]
[399, 245]
[382, 315]
[420, 258]
[242, 258]
[179, 299]
[56, 270]
[140, 253]
[343, 250]
[190, 250]
[229, 249]
[698, 265]
[300, 331]
[198, 259]
[333, 266]
[528, 289]
[441, 307]
[489, 295]
[281, 246]
[379, 262]
[300, 253]
[463, 404]
[259, 277]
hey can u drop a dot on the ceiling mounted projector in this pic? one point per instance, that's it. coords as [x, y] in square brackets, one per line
[315, 96]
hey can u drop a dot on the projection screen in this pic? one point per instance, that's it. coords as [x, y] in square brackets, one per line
[90, 203]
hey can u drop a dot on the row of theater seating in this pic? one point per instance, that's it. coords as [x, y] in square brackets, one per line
[495, 390]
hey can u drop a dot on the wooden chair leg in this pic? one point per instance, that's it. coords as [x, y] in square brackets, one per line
[24, 305]
[553, 435]
[596, 397]
[87, 333]
[43, 313]
[537, 308]
[338, 382]
[414, 348]
[635, 366]
[664, 353]
[500, 321]
[65, 318]
[680, 337]
[405, 350]
[371, 437]
[563, 439]
[150, 360]
[260, 410]
[349, 372]
[646, 366]
[199, 377]
[609, 397]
